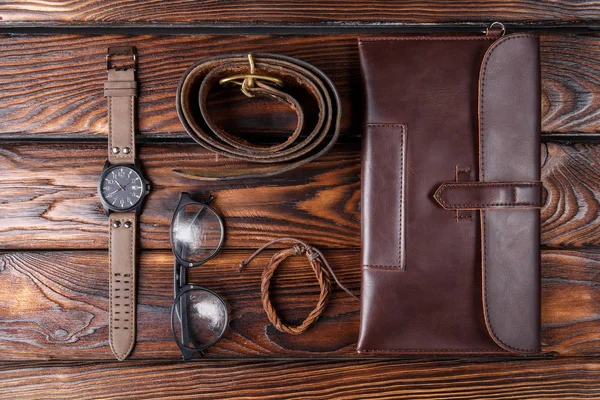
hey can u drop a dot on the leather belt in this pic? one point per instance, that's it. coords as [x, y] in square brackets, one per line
[258, 75]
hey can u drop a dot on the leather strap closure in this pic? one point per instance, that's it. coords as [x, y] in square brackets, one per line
[122, 303]
[489, 195]
[305, 144]
[121, 90]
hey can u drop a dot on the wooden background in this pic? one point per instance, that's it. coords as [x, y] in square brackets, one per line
[53, 233]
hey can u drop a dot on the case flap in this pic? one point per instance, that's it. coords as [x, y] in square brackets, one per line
[509, 150]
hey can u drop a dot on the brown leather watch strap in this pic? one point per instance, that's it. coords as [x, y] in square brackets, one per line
[121, 90]
[489, 195]
[122, 247]
[256, 74]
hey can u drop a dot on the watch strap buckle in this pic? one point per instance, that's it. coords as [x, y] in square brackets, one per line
[125, 54]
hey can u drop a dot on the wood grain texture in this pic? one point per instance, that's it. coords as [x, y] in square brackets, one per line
[252, 13]
[48, 197]
[577, 378]
[571, 176]
[53, 306]
[52, 85]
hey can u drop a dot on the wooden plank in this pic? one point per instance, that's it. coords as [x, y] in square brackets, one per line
[576, 378]
[330, 13]
[48, 197]
[570, 217]
[61, 96]
[571, 302]
[53, 305]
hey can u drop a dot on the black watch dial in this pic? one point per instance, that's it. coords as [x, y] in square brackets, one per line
[121, 187]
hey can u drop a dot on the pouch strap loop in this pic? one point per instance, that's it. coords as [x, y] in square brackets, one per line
[488, 195]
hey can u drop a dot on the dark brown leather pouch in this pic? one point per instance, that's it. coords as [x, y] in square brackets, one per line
[451, 195]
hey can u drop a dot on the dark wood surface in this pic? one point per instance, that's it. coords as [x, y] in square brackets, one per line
[65, 315]
[418, 378]
[53, 261]
[51, 101]
[264, 12]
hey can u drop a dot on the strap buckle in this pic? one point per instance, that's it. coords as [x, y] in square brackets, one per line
[247, 81]
[126, 54]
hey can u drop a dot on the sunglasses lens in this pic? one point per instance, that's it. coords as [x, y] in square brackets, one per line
[197, 233]
[200, 319]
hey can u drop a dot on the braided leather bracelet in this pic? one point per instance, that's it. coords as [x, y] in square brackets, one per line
[316, 261]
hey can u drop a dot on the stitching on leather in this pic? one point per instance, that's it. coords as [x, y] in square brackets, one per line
[401, 183]
[110, 129]
[375, 266]
[448, 186]
[132, 132]
[131, 144]
[393, 39]
[384, 125]
[486, 205]
[110, 291]
[482, 158]
[428, 350]
[131, 304]
[131, 285]
[401, 224]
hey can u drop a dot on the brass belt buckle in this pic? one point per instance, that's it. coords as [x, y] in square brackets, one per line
[247, 81]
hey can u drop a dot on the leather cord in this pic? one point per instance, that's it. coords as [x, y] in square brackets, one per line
[305, 144]
[316, 260]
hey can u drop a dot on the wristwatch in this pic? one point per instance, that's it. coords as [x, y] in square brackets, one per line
[122, 188]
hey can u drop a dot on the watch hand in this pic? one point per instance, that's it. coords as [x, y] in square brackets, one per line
[110, 194]
[121, 187]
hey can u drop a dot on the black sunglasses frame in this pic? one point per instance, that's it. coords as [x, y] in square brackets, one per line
[181, 287]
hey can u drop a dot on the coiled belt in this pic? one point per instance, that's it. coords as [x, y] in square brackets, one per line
[259, 75]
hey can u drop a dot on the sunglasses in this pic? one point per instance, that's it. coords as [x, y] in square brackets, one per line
[199, 316]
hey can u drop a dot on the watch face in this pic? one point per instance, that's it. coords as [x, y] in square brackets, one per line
[121, 187]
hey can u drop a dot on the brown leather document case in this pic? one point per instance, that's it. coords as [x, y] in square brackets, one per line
[451, 194]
